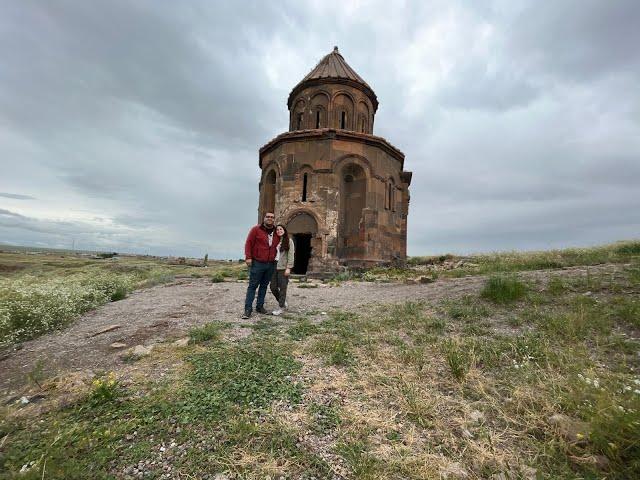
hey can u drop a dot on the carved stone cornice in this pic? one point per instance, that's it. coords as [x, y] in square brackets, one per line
[332, 134]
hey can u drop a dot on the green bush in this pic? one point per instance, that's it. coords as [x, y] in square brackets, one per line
[205, 333]
[217, 278]
[630, 248]
[503, 289]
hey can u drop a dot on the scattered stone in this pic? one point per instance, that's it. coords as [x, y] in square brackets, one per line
[24, 400]
[598, 461]
[411, 281]
[574, 431]
[140, 350]
[110, 328]
[476, 416]
[453, 471]
[466, 433]
[117, 345]
[425, 279]
[528, 473]
[181, 342]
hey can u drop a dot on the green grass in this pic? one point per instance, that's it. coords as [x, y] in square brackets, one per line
[249, 375]
[302, 329]
[511, 262]
[208, 332]
[458, 358]
[503, 289]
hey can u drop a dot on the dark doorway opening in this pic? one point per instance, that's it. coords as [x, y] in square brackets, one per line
[302, 242]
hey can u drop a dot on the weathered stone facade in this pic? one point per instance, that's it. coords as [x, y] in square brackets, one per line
[340, 190]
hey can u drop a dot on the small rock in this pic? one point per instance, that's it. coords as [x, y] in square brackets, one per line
[116, 345]
[24, 400]
[141, 350]
[453, 471]
[476, 416]
[425, 279]
[466, 433]
[571, 430]
[105, 330]
[181, 342]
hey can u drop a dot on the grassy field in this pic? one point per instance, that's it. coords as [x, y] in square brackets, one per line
[44, 290]
[524, 380]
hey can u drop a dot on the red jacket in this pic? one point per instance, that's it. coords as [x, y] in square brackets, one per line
[257, 245]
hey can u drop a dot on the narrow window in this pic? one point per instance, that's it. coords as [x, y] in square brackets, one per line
[318, 118]
[304, 188]
[389, 197]
[299, 127]
[393, 198]
[343, 119]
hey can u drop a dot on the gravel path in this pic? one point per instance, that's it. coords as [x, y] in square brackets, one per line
[169, 311]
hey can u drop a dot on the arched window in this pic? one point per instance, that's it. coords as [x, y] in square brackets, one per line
[269, 199]
[305, 179]
[391, 194]
[343, 119]
[299, 120]
[318, 114]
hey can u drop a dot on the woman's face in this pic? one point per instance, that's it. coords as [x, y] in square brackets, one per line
[279, 231]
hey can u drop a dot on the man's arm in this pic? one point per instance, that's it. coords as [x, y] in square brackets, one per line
[248, 245]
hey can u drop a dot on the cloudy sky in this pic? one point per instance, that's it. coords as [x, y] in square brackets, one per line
[135, 125]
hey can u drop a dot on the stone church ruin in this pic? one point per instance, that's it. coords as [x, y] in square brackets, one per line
[340, 190]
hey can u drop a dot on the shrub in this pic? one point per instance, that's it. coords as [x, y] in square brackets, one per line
[630, 248]
[217, 278]
[205, 333]
[104, 389]
[503, 289]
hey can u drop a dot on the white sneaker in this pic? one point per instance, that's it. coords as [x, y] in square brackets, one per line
[277, 312]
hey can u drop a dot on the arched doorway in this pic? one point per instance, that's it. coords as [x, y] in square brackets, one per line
[302, 228]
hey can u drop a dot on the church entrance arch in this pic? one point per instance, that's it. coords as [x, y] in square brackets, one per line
[302, 227]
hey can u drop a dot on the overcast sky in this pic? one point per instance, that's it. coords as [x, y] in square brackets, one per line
[135, 125]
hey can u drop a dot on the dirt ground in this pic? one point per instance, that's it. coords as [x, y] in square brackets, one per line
[167, 312]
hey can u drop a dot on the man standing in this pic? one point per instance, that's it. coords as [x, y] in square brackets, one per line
[260, 254]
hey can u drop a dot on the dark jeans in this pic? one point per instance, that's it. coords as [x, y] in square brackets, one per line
[259, 275]
[279, 286]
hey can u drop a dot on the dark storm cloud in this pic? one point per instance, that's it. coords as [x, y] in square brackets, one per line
[139, 122]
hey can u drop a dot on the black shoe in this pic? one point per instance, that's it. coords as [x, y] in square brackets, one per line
[246, 314]
[261, 309]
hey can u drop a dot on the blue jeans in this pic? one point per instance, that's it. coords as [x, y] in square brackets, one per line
[260, 274]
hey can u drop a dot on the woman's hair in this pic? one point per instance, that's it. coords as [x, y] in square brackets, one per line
[284, 241]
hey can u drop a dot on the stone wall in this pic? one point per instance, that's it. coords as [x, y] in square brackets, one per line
[329, 158]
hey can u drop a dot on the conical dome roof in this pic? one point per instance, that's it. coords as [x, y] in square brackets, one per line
[334, 69]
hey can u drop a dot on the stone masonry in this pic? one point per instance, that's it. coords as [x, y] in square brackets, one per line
[340, 190]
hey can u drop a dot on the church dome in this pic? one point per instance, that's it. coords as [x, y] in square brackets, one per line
[333, 69]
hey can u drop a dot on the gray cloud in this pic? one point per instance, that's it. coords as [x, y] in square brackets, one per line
[16, 196]
[136, 126]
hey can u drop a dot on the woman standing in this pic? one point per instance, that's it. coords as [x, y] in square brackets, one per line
[284, 264]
